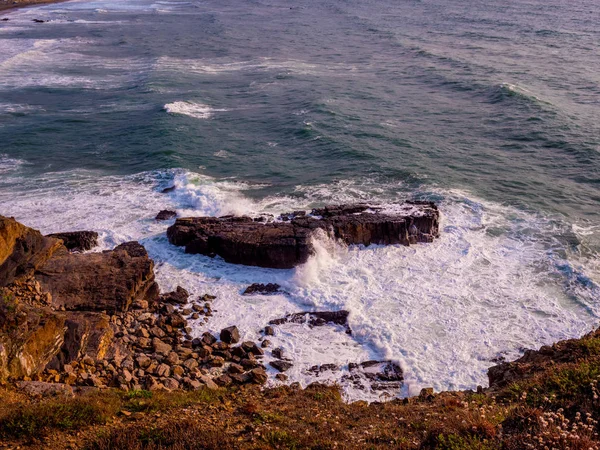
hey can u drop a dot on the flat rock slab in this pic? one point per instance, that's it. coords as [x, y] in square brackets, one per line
[287, 242]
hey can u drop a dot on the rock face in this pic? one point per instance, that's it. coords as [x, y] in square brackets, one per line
[287, 243]
[77, 241]
[22, 250]
[29, 337]
[107, 281]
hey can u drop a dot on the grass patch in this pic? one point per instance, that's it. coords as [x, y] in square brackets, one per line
[62, 414]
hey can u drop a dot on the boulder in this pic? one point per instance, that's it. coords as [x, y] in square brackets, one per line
[285, 244]
[22, 250]
[165, 214]
[230, 335]
[377, 375]
[42, 389]
[77, 241]
[29, 337]
[178, 297]
[107, 281]
[281, 365]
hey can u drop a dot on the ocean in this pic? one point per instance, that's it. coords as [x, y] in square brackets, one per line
[490, 109]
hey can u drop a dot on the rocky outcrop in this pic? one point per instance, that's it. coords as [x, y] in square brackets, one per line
[377, 375]
[22, 250]
[286, 243]
[316, 318]
[165, 214]
[537, 361]
[77, 241]
[30, 336]
[107, 281]
[262, 289]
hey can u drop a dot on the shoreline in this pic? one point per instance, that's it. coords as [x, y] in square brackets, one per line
[10, 6]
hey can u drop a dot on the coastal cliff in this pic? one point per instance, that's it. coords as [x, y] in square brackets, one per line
[92, 355]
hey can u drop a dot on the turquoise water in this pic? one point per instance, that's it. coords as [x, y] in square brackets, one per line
[490, 108]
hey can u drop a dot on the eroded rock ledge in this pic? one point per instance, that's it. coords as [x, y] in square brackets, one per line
[287, 242]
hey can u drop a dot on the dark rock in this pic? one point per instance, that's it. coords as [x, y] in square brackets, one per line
[281, 376]
[280, 365]
[239, 352]
[241, 240]
[107, 281]
[38, 21]
[77, 241]
[248, 364]
[208, 339]
[178, 297]
[235, 368]
[266, 343]
[251, 347]
[315, 319]
[269, 331]
[168, 189]
[379, 370]
[317, 370]
[241, 378]
[230, 335]
[165, 214]
[278, 353]
[222, 380]
[264, 289]
[258, 376]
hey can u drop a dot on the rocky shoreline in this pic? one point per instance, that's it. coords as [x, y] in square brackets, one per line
[94, 320]
[74, 324]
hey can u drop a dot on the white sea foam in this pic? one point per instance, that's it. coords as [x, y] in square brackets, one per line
[196, 110]
[8, 165]
[490, 285]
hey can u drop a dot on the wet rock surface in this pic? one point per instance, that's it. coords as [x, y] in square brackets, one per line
[77, 241]
[286, 243]
[316, 318]
[165, 214]
[262, 289]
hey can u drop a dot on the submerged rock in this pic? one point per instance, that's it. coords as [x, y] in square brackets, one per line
[264, 289]
[287, 243]
[316, 318]
[77, 241]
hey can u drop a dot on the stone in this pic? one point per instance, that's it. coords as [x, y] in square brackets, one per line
[235, 368]
[262, 289]
[77, 241]
[172, 358]
[171, 384]
[106, 281]
[222, 380]
[178, 297]
[208, 338]
[251, 347]
[258, 376]
[208, 382]
[217, 361]
[281, 376]
[160, 347]
[42, 389]
[176, 320]
[190, 364]
[285, 244]
[143, 361]
[269, 331]
[178, 370]
[281, 365]
[266, 343]
[230, 335]
[240, 378]
[163, 370]
[165, 214]
[248, 364]
[278, 353]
